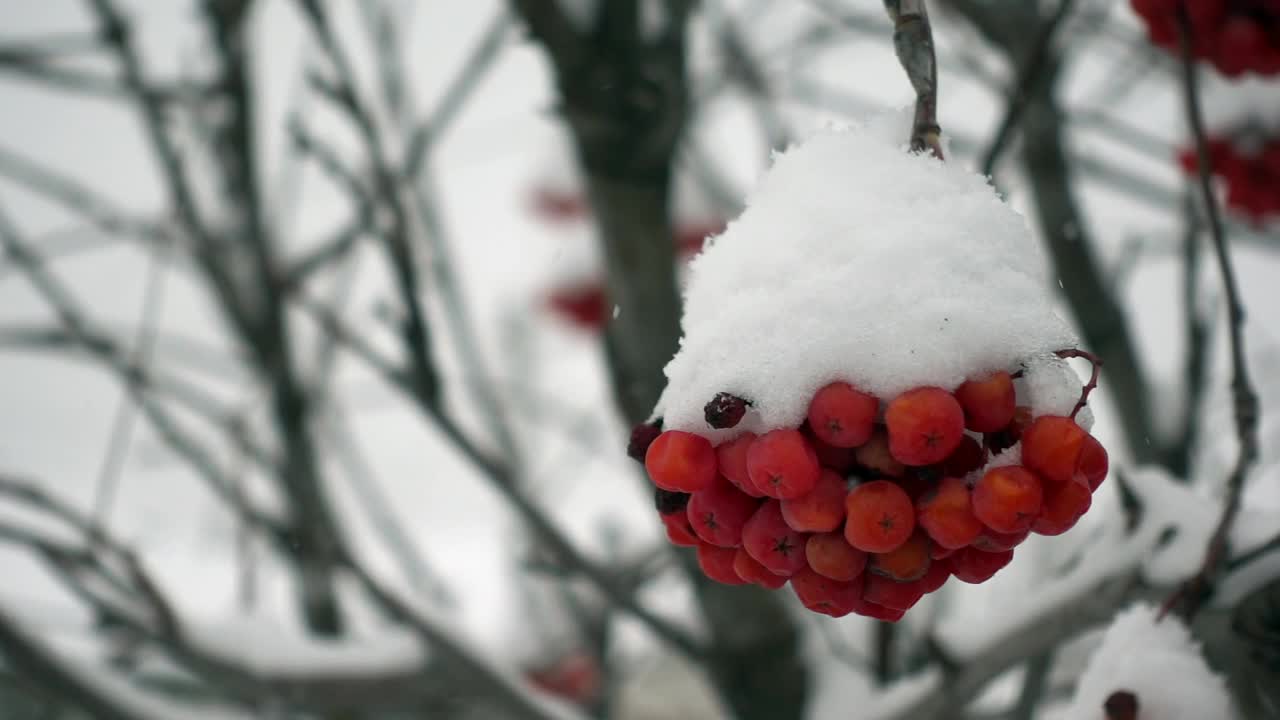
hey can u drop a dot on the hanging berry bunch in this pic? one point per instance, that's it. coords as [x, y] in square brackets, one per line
[1237, 36]
[877, 404]
[1247, 161]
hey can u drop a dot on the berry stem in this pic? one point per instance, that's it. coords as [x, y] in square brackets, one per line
[1093, 377]
[1192, 594]
[913, 43]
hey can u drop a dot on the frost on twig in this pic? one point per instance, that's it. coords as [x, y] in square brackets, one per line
[913, 43]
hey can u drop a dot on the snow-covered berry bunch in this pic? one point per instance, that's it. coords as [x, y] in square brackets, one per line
[1248, 164]
[868, 399]
[1237, 36]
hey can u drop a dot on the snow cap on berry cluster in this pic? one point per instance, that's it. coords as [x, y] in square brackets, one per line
[1159, 663]
[857, 260]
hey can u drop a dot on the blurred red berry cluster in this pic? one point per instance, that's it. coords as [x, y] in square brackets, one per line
[864, 511]
[1249, 168]
[1237, 36]
[585, 303]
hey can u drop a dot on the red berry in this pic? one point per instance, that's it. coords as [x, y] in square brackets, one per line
[725, 410]
[753, 572]
[880, 517]
[831, 457]
[681, 461]
[939, 573]
[768, 539]
[938, 552]
[1242, 43]
[968, 457]
[821, 509]
[975, 566]
[586, 306]
[994, 542]
[925, 426]
[842, 416]
[988, 403]
[732, 459]
[909, 561]
[868, 609]
[875, 456]
[829, 554]
[946, 514]
[1051, 447]
[782, 464]
[719, 513]
[1064, 505]
[679, 531]
[1093, 462]
[824, 595]
[892, 594]
[717, 563]
[1008, 499]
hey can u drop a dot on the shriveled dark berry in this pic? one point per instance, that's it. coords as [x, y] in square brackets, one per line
[725, 411]
[1121, 705]
[669, 501]
[642, 436]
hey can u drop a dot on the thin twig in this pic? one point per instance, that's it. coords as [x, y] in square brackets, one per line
[1090, 386]
[913, 43]
[1188, 599]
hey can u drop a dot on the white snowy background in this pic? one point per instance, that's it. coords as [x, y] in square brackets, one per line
[55, 414]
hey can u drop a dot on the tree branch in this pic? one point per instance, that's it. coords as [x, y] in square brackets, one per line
[913, 43]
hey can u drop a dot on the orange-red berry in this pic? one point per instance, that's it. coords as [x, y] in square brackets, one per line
[988, 402]
[946, 514]
[925, 426]
[681, 461]
[875, 456]
[891, 593]
[880, 517]
[753, 572]
[829, 456]
[1007, 499]
[717, 563]
[975, 566]
[842, 416]
[732, 460]
[868, 609]
[719, 512]
[1093, 462]
[823, 595]
[679, 531]
[821, 509]
[830, 555]
[773, 544]
[782, 464]
[909, 561]
[939, 573]
[1051, 447]
[1064, 505]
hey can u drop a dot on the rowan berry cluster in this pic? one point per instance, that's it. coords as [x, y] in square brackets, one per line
[1249, 167]
[1237, 36]
[864, 509]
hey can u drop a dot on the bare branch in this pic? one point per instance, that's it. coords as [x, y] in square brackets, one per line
[1192, 595]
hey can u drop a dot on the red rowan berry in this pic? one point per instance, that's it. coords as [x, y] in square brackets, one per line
[975, 566]
[823, 595]
[681, 461]
[946, 514]
[753, 572]
[782, 464]
[875, 456]
[773, 544]
[830, 555]
[842, 416]
[725, 410]
[880, 516]
[988, 403]
[1007, 499]
[719, 512]
[717, 563]
[732, 459]
[905, 563]
[821, 509]
[925, 426]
